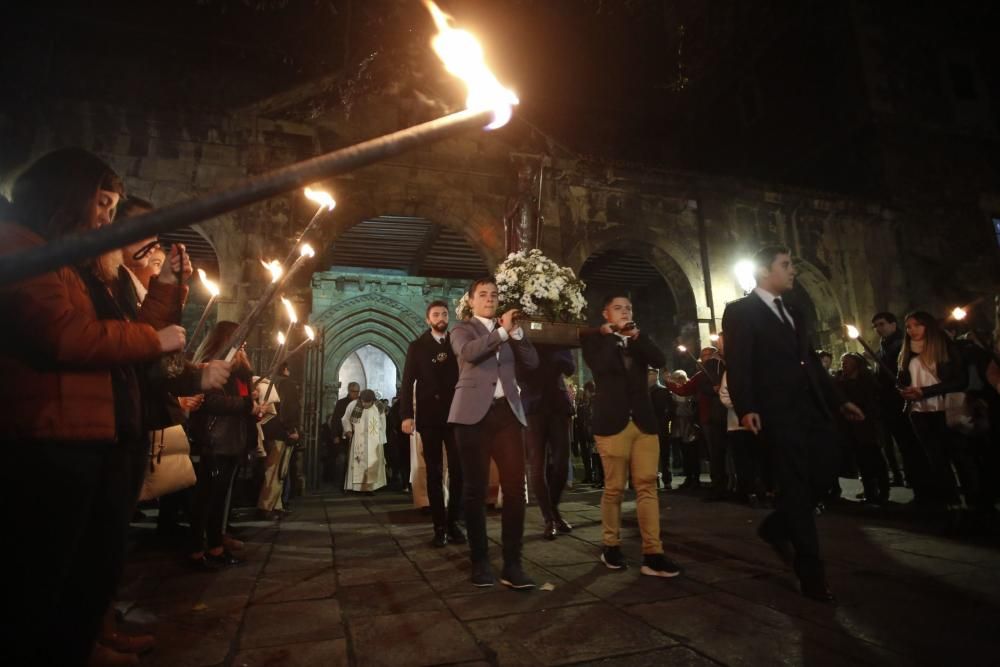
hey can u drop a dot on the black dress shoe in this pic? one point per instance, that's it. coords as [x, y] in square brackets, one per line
[550, 531]
[819, 592]
[455, 534]
[225, 559]
[563, 526]
[440, 538]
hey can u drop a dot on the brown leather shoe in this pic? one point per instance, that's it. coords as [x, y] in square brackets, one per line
[104, 656]
[125, 643]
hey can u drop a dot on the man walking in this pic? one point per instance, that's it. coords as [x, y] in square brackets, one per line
[779, 388]
[430, 362]
[489, 424]
[626, 432]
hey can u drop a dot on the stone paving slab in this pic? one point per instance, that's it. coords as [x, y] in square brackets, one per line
[291, 622]
[354, 581]
[331, 653]
[543, 637]
[411, 640]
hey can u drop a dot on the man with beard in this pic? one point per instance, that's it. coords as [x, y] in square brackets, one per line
[430, 362]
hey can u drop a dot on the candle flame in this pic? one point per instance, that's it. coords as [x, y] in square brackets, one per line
[274, 266]
[682, 348]
[320, 197]
[293, 318]
[310, 334]
[463, 57]
[212, 288]
[307, 250]
[852, 331]
[959, 313]
[281, 338]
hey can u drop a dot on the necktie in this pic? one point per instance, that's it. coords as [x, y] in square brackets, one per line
[784, 314]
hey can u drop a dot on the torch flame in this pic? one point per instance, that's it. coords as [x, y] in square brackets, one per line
[212, 288]
[281, 338]
[310, 334]
[714, 338]
[293, 318]
[682, 348]
[463, 57]
[852, 331]
[320, 197]
[274, 266]
[307, 250]
[959, 313]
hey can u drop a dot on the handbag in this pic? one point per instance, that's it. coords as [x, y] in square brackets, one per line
[170, 467]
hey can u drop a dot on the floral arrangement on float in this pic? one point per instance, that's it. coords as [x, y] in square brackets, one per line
[549, 296]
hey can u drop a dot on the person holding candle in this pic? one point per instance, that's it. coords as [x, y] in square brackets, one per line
[223, 430]
[931, 366]
[779, 388]
[74, 413]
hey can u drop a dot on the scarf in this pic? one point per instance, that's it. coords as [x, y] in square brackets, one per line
[359, 410]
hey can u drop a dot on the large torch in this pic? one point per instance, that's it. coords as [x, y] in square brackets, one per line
[854, 334]
[213, 291]
[488, 104]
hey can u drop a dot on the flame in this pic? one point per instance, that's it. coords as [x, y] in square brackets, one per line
[310, 334]
[281, 338]
[320, 197]
[307, 251]
[682, 348]
[292, 317]
[959, 313]
[852, 331]
[714, 338]
[463, 57]
[274, 266]
[212, 288]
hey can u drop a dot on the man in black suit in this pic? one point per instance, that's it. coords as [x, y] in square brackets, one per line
[430, 362]
[779, 388]
[549, 410]
[626, 432]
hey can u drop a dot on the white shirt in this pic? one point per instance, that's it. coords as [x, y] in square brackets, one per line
[438, 337]
[768, 299]
[921, 377]
[518, 334]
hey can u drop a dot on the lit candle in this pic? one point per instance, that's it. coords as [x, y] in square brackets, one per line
[213, 291]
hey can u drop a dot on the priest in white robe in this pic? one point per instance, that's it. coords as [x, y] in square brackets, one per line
[364, 424]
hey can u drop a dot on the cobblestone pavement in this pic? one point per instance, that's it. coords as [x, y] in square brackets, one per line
[353, 581]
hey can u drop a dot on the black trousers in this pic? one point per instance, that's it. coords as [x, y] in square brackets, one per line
[915, 464]
[804, 457]
[747, 454]
[498, 436]
[209, 507]
[943, 448]
[68, 543]
[547, 444]
[436, 440]
[873, 469]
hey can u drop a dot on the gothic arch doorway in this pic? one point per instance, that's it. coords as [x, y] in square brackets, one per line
[372, 368]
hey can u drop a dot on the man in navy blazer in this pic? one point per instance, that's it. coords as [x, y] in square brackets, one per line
[488, 423]
[780, 389]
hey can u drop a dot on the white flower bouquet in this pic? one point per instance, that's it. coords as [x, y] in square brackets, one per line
[541, 289]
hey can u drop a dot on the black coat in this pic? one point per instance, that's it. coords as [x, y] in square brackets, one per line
[225, 424]
[770, 366]
[435, 369]
[543, 389]
[621, 394]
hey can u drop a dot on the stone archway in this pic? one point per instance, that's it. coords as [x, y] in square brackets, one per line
[677, 276]
[828, 328]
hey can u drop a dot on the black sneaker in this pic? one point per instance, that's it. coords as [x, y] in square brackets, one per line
[612, 557]
[455, 534]
[482, 574]
[658, 565]
[514, 577]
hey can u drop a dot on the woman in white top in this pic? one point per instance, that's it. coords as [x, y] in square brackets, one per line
[930, 367]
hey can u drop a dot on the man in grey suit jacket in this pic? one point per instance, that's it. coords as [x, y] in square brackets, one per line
[489, 424]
